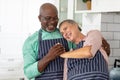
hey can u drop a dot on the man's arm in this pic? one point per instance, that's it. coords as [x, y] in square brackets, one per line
[106, 46]
[30, 62]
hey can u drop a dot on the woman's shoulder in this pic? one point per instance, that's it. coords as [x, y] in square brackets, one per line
[94, 31]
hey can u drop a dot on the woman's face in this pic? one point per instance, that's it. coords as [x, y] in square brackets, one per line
[68, 31]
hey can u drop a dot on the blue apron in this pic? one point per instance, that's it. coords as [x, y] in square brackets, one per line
[54, 70]
[95, 68]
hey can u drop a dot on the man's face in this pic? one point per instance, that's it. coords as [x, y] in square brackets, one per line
[49, 20]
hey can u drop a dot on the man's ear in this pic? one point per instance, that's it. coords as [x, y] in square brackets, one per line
[39, 17]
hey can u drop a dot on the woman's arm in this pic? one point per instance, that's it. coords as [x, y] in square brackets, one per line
[93, 39]
[78, 53]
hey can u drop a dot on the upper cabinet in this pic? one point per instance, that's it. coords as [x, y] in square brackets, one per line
[97, 6]
[106, 5]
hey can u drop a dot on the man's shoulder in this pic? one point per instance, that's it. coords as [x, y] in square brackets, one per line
[33, 37]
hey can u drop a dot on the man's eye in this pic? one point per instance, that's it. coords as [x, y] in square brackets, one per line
[47, 18]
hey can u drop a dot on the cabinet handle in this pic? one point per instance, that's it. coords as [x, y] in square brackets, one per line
[0, 50]
[21, 79]
[0, 28]
[10, 69]
[10, 59]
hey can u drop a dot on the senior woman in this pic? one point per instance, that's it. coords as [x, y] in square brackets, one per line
[89, 61]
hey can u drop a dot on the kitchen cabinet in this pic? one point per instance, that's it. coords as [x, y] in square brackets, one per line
[106, 5]
[11, 68]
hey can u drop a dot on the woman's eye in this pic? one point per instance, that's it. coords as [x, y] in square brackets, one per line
[65, 28]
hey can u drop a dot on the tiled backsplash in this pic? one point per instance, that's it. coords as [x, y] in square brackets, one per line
[110, 28]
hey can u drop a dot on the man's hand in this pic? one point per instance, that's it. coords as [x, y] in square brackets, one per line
[55, 51]
[106, 46]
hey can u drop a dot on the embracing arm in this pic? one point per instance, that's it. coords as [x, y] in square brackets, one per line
[78, 53]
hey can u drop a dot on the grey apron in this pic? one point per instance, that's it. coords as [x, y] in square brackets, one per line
[88, 69]
[54, 71]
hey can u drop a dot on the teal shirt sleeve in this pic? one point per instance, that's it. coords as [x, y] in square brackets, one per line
[71, 45]
[30, 51]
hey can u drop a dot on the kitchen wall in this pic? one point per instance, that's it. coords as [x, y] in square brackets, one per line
[110, 28]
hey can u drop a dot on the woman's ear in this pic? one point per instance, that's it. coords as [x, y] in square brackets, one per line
[79, 28]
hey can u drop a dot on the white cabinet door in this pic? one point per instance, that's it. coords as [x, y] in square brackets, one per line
[11, 67]
[106, 5]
